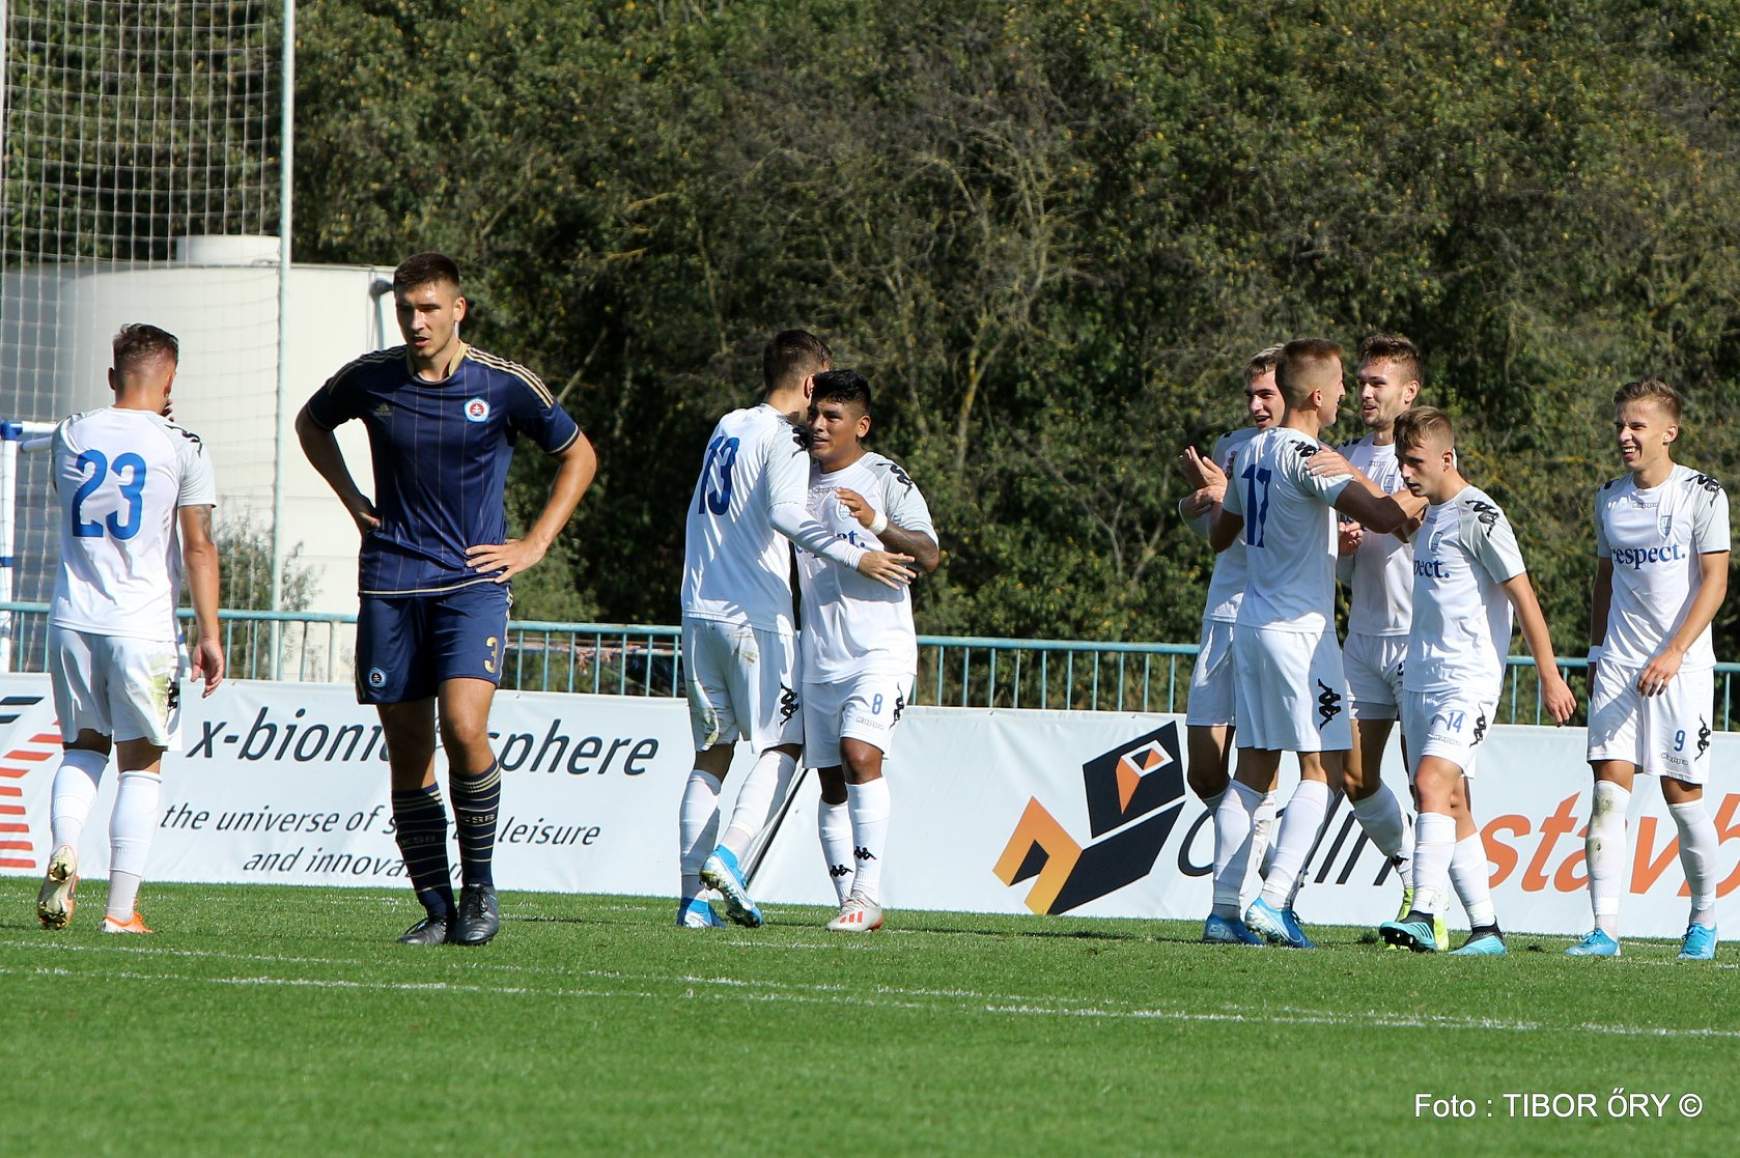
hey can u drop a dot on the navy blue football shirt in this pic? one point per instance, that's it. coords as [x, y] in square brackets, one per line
[441, 452]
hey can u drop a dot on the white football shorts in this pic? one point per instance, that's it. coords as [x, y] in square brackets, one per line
[126, 689]
[742, 683]
[1447, 724]
[1374, 674]
[1665, 735]
[1292, 693]
[1213, 680]
[862, 707]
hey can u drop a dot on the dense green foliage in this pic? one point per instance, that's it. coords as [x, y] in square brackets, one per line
[1050, 232]
[276, 1020]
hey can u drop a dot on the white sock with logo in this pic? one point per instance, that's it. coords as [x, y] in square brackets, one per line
[1300, 826]
[1233, 822]
[759, 799]
[1471, 874]
[1604, 850]
[834, 828]
[75, 787]
[868, 805]
[1262, 832]
[1698, 846]
[1434, 849]
[697, 828]
[131, 827]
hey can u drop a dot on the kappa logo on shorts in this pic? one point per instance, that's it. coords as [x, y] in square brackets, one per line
[899, 706]
[1328, 705]
[788, 704]
[476, 409]
[377, 678]
[1703, 737]
[1480, 727]
[172, 701]
[1135, 794]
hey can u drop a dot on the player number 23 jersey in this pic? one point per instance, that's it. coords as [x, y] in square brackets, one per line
[120, 476]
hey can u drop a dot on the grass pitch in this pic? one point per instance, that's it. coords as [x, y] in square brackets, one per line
[285, 1020]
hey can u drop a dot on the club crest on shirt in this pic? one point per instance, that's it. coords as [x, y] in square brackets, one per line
[384, 410]
[476, 409]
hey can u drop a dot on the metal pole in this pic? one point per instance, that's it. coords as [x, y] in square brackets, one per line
[10, 434]
[286, 162]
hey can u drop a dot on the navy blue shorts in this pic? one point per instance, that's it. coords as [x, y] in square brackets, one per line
[406, 645]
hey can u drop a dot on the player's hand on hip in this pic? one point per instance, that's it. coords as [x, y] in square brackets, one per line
[854, 502]
[1556, 694]
[1659, 672]
[887, 567]
[509, 558]
[208, 664]
[364, 516]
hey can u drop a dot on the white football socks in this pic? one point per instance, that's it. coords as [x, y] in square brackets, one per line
[1604, 850]
[697, 828]
[75, 787]
[834, 828]
[868, 806]
[1698, 845]
[1434, 849]
[1300, 826]
[131, 827]
[1233, 823]
[1380, 814]
[1471, 875]
[759, 799]
[1262, 832]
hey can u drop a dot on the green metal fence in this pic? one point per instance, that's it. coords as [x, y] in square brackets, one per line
[624, 659]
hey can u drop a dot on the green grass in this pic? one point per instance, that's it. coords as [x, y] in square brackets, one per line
[285, 1020]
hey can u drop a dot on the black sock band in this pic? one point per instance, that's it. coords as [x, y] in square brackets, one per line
[476, 805]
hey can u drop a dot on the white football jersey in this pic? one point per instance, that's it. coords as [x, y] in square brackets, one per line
[854, 625]
[736, 563]
[1464, 552]
[1654, 538]
[1380, 595]
[120, 476]
[1289, 532]
[1226, 587]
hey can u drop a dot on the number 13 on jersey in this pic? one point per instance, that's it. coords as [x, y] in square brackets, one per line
[722, 451]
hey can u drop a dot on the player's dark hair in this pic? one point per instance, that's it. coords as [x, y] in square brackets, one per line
[1394, 348]
[1298, 358]
[842, 386]
[138, 342]
[423, 268]
[1262, 362]
[792, 356]
[1652, 390]
[1418, 423]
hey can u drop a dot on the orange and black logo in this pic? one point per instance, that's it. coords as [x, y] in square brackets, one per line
[1135, 794]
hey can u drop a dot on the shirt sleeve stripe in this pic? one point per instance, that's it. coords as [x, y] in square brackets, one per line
[518, 371]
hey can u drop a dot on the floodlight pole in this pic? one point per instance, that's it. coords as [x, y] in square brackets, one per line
[286, 162]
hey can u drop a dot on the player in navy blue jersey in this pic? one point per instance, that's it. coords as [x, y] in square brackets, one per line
[432, 619]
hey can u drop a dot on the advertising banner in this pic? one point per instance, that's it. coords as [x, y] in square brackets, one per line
[1023, 811]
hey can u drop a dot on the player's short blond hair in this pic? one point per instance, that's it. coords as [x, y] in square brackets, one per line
[1393, 348]
[1262, 362]
[1651, 390]
[1298, 358]
[1419, 423]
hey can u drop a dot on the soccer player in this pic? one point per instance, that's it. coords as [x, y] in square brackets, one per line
[740, 654]
[1661, 572]
[1468, 576]
[433, 596]
[1379, 574]
[1209, 716]
[136, 494]
[1291, 684]
[860, 652]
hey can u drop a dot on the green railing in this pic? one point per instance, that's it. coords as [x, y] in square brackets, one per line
[624, 659]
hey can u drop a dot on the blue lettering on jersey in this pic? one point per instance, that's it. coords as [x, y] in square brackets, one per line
[1639, 557]
[1431, 569]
